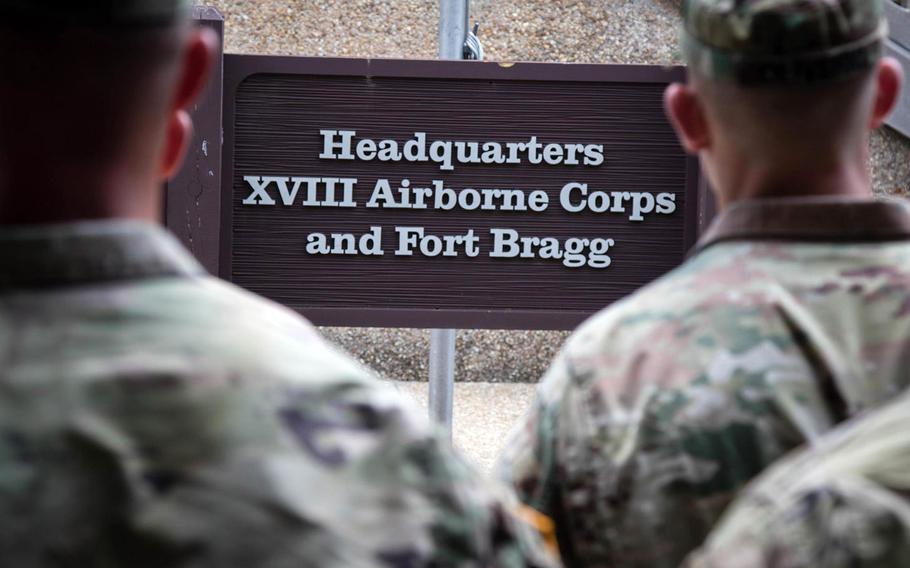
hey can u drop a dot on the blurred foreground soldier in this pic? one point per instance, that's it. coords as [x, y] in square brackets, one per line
[793, 315]
[151, 415]
[842, 504]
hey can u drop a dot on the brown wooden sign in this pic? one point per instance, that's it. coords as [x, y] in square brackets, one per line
[450, 194]
[192, 198]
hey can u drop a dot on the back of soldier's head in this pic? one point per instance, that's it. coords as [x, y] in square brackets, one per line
[85, 81]
[784, 66]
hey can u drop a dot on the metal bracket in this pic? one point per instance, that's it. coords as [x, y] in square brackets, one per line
[473, 49]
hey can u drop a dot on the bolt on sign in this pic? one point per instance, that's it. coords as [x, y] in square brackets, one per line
[451, 194]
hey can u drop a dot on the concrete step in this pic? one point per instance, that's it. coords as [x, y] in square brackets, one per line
[483, 415]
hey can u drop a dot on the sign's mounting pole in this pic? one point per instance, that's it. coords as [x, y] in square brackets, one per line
[453, 31]
[442, 376]
[453, 28]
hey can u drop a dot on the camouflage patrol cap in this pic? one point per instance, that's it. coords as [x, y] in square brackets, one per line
[782, 42]
[120, 13]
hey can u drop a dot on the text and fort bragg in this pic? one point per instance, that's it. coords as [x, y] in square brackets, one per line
[574, 197]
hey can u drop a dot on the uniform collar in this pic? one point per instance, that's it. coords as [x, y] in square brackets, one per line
[810, 219]
[91, 252]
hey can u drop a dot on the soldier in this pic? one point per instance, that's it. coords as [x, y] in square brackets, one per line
[793, 314]
[842, 504]
[151, 415]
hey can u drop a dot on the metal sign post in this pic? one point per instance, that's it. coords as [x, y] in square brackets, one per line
[453, 28]
[453, 31]
[442, 376]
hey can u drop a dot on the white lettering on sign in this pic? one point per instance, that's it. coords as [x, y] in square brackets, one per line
[440, 197]
[337, 144]
[507, 243]
[369, 244]
[574, 252]
[415, 238]
[575, 197]
[344, 145]
[320, 192]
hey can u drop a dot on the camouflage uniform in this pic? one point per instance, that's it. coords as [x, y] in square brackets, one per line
[793, 316]
[842, 504]
[151, 415]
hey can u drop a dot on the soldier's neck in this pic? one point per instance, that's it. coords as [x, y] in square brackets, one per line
[38, 200]
[845, 178]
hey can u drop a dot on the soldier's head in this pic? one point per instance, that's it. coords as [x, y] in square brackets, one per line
[93, 99]
[785, 91]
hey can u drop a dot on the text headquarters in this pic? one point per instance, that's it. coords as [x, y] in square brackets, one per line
[339, 192]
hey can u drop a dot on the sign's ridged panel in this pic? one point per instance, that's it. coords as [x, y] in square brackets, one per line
[278, 119]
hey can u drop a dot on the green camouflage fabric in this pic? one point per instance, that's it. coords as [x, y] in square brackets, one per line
[841, 504]
[782, 42]
[152, 416]
[793, 316]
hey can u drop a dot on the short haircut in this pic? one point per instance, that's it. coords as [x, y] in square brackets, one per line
[93, 84]
[781, 115]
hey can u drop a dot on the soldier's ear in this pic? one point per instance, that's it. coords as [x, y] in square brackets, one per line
[177, 138]
[686, 114]
[195, 67]
[889, 77]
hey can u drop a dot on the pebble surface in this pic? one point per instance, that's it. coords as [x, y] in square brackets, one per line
[483, 356]
[590, 31]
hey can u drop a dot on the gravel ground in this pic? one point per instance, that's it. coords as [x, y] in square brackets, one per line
[594, 31]
[483, 356]
[615, 31]
[480, 428]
